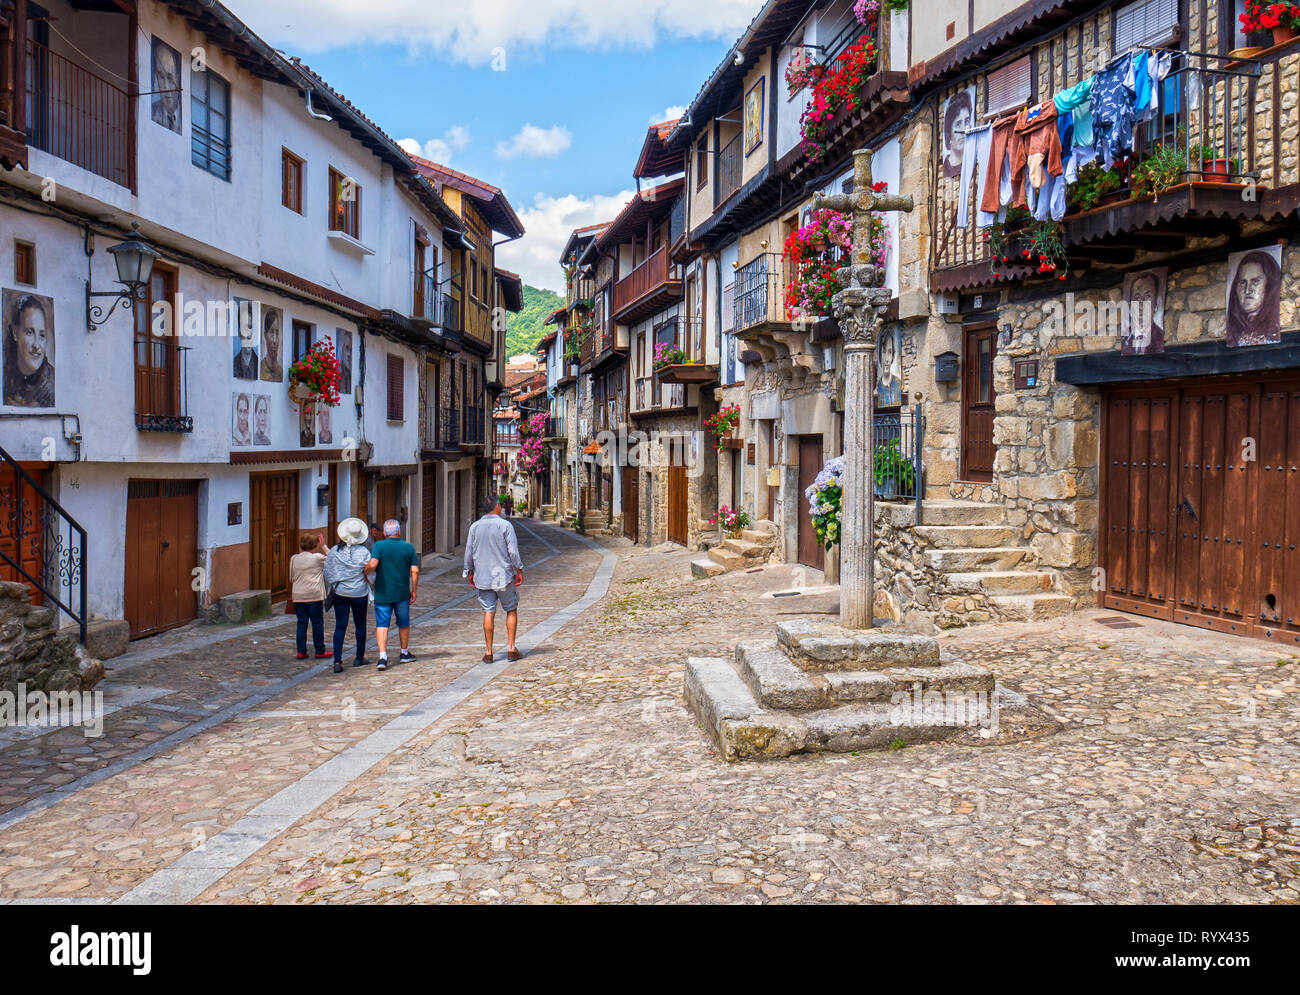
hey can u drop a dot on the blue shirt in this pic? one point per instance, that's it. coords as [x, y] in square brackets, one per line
[492, 553]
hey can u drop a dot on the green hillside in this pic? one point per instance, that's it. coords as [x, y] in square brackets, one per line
[525, 329]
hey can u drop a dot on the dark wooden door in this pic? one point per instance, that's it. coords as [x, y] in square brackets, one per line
[458, 485]
[162, 529]
[678, 530]
[811, 552]
[1201, 518]
[385, 500]
[977, 400]
[21, 503]
[429, 508]
[273, 530]
[631, 504]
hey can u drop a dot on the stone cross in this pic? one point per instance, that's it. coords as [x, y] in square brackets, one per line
[860, 309]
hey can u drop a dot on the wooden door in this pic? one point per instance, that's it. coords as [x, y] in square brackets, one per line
[631, 504]
[332, 536]
[30, 552]
[811, 551]
[385, 500]
[678, 531]
[772, 461]
[273, 531]
[977, 399]
[1276, 597]
[162, 528]
[458, 485]
[429, 508]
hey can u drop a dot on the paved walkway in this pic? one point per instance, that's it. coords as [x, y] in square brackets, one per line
[577, 775]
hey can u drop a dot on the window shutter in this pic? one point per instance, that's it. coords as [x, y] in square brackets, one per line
[395, 385]
[1148, 22]
[1009, 87]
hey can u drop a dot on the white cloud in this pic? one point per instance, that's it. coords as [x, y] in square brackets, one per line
[441, 149]
[533, 142]
[479, 30]
[668, 114]
[549, 221]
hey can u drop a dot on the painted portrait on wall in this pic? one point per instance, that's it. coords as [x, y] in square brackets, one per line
[958, 117]
[248, 318]
[343, 350]
[324, 425]
[1255, 297]
[754, 116]
[272, 344]
[1142, 321]
[28, 324]
[261, 420]
[889, 368]
[165, 84]
[306, 425]
[241, 431]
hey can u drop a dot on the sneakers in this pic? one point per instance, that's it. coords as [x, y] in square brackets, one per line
[383, 663]
[361, 661]
[406, 657]
[302, 656]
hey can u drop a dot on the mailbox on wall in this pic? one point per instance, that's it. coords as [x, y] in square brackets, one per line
[947, 367]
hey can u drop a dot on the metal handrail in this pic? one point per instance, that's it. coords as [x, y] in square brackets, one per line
[72, 563]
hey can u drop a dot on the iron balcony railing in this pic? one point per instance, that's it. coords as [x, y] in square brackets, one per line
[78, 116]
[41, 544]
[729, 168]
[759, 293]
[161, 387]
[448, 428]
[473, 432]
[897, 468]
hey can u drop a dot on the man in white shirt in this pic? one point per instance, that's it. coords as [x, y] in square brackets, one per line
[495, 570]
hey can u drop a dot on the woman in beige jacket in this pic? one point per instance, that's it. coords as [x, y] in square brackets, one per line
[307, 580]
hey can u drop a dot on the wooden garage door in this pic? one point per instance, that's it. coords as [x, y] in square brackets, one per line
[162, 519]
[274, 530]
[1201, 496]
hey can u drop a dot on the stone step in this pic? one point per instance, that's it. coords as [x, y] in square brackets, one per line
[822, 646]
[726, 558]
[778, 683]
[706, 568]
[1030, 607]
[1003, 582]
[961, 513]
[987, 559]
[967, 536]
[749, 550]
[762, 538]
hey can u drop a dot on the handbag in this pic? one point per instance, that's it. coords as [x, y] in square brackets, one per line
[329, 596]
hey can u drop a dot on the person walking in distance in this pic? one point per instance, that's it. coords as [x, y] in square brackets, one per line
[495, 571]
[396, 566]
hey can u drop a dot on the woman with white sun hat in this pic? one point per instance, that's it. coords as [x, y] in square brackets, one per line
[345, 578]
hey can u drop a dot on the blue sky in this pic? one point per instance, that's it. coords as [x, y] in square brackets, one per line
[559, 128]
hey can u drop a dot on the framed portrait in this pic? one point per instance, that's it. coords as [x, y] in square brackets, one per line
[272, 345]
[1255, 297]
[165, 85]
[246, 334]
[754, 116]
[261, 419]
[28, 353]
[343, 350]
[241, 428]
[958, 116]
[1142, 320]
[306, 425]
[324, 424]
[889, 367]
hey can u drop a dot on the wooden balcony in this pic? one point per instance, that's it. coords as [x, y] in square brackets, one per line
[650, 396]
[651, 287]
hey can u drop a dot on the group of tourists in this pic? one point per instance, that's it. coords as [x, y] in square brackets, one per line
[376, 565]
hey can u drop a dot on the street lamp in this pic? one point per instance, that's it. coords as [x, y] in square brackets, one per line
[134, 259]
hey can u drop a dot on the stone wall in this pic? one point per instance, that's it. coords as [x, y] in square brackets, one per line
[34, 653]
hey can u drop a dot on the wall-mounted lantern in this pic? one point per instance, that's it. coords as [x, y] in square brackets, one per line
[134, 259]
[947, 367]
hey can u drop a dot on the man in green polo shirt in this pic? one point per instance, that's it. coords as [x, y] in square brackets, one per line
[396, 566]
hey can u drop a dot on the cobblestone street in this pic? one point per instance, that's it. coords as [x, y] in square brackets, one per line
[229, 772]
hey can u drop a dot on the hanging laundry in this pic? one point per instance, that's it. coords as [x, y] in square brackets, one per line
[998, 190]
[979, 145]
[1112, 111]
[1037, 153]
[1160, 65]
[1078, 101]
[1138, 79]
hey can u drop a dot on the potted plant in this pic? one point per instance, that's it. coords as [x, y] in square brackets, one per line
[314, 376]
[1164, 169]
[667, 354]
[893, 470]
[733, 521]
[1095, 186]
[1282, 19]
[1214, 167]
[721, 424]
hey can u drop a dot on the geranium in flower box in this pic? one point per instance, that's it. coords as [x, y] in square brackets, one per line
[314, 377]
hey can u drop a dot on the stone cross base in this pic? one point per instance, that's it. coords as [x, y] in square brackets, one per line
[820, 687]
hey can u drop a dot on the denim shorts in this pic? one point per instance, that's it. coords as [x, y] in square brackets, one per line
[508, 599]
[384, 615]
